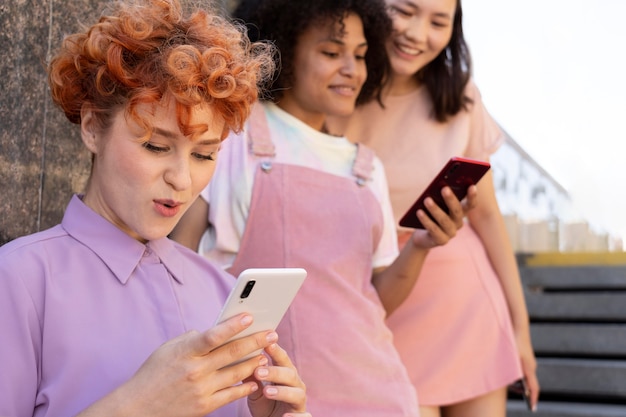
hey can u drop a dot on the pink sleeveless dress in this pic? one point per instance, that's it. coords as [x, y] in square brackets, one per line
[334, 330]
[454, 331]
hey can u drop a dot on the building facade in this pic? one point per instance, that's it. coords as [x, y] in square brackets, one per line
[538, 211]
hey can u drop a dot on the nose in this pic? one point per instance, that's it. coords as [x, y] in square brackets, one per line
[178, 174]
[349, 66]
[416, 29]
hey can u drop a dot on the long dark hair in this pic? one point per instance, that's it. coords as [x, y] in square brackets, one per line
[448, 74]
[283, 22]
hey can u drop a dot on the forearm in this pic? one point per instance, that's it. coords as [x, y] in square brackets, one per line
[490, 227]
[395, 282]
[492, 231]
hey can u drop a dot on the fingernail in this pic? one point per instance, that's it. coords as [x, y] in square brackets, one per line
[271, 337]
[263, 361]
[271, 391]
[262, 372]
[246, 320]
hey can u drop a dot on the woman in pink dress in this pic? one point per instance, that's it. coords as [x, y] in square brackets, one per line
[463, 333]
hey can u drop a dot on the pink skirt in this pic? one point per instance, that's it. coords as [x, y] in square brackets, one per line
[454, 331]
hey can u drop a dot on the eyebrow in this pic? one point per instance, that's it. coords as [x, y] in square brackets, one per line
[414, 6]
[212, 141]
[445, 15]
[171, 135]
[163, 132]
[340, 42]
[409, 3]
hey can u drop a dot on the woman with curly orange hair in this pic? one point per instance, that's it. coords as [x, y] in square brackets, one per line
[103, 314]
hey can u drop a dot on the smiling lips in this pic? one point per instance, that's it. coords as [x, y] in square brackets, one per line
[167, 208]
[407, 50]
[344, 90]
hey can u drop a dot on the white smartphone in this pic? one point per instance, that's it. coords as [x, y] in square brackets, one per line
[266, 294]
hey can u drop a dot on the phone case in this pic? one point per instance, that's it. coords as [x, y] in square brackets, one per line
[266, 294]
[458, 173]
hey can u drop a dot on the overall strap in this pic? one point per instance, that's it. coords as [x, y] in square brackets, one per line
[363, 164]
[261, 145]
[259, 139]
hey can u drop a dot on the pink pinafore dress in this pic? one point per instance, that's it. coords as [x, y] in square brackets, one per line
[334, 330]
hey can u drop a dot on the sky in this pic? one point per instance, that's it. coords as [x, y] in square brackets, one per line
[553, 74]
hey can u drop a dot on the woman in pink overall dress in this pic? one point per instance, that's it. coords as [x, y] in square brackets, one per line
[463, 333]
[291, 195]
[335, 328]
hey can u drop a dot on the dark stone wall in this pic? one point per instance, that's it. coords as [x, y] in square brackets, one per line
[42, 160]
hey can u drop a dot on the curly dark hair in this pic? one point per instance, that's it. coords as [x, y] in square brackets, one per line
[448, 74]
[283, 22]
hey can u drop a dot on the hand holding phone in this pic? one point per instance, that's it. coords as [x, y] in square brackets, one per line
[520, 387]
[264, 293]
[458, 174]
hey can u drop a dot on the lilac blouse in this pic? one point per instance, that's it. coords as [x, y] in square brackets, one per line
[83, 305]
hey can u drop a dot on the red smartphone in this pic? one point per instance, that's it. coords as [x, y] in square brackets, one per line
[458, 173]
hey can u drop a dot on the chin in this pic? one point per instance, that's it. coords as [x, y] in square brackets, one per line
[155, 234]
[404, 64]
[403, 69]
[344, 111]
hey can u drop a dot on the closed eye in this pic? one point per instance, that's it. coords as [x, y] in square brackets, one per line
[153, 148]
[203, 157]
[400, 11]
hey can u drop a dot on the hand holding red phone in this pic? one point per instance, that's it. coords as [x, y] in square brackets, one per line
[440, 226]
[458, 175]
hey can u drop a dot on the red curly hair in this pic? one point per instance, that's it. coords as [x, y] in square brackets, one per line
[145, 51]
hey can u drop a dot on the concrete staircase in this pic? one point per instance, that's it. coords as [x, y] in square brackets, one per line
[577, 307]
